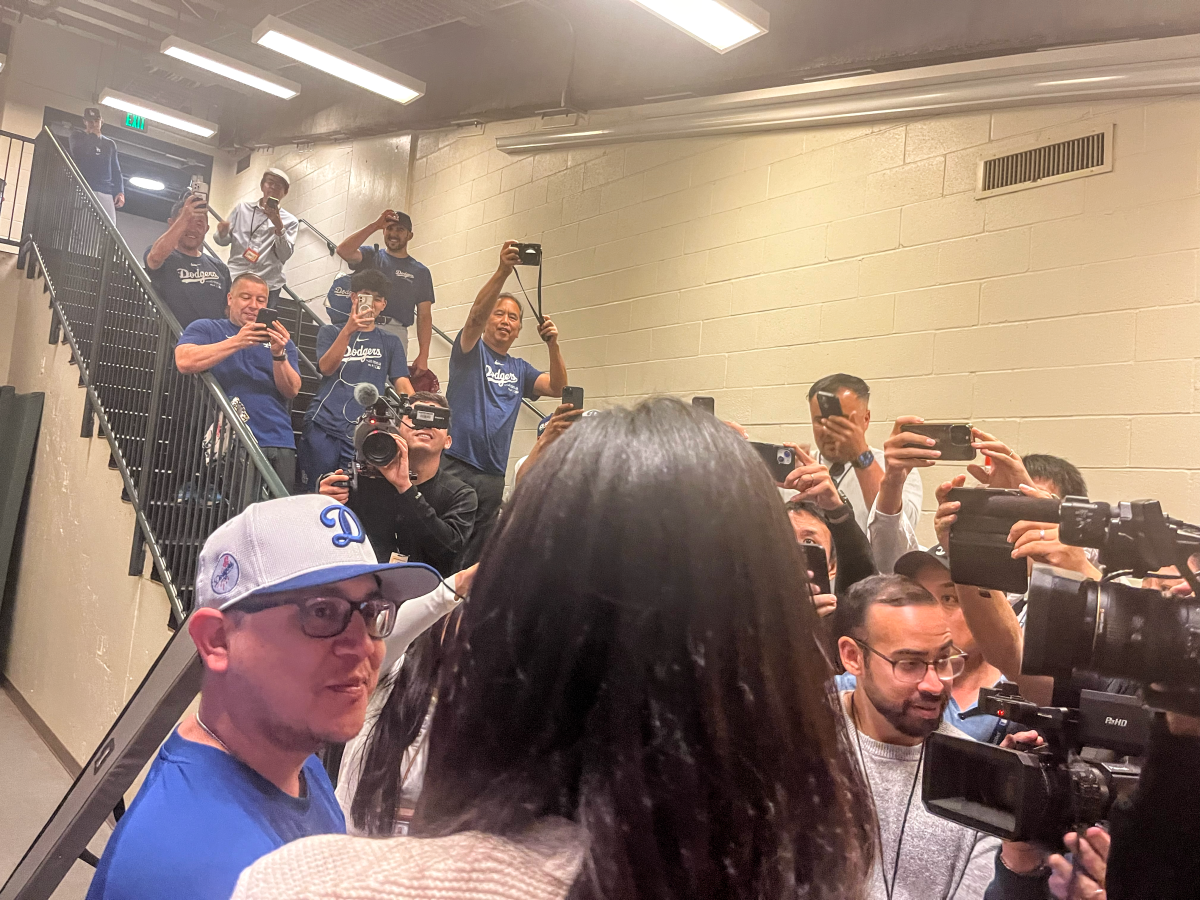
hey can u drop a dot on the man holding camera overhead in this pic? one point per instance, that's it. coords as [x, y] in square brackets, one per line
[357, 352]
[410, 286]
[486, 387]
[261, 235]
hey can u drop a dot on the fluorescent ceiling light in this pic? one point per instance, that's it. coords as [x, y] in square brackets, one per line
[156, 113]
[722, 24]
[327, 56]
[1080, 80]
[146, 184]
[226, 66]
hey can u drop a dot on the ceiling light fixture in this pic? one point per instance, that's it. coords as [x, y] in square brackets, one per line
[327, 56]
[722, 24]
[146, 184]
[230, 68]
[156, 113]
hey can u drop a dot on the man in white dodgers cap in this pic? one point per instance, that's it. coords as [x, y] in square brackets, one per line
[261, 235]
[292, 612]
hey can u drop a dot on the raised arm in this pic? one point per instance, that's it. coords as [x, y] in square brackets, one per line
[348, 248]
[485, 300]
[168, 241]
[192, 359]
[551, 384]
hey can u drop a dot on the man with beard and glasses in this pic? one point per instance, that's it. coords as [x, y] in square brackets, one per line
[894, 638]
[291, 615]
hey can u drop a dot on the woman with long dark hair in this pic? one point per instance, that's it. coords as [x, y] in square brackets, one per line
[635, 705]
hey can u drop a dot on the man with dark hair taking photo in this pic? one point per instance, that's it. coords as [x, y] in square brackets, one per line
[413, 508]
[840, 409]
[357, 352]
[486, 387]
[193, 284]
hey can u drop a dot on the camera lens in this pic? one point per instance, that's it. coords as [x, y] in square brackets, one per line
[379, 448]
[1061, 624]
[960, 434]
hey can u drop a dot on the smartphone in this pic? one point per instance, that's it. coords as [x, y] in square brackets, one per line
[954, 441]
[708, 404]
[267, 316]
[272, 203]
[574, 396]
[817, 563]
[199, 188]
[829, 404]
[530, 254]
[365, 304]
[779, 459]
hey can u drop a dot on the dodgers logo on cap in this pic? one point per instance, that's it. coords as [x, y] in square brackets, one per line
[338, 516]
[225, 574]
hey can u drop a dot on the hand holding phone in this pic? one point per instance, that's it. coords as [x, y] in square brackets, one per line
[953, 442]
[818, 564]
[779, 458]
[573, 396]
[272, 203]
[829, 404]
[266, 316]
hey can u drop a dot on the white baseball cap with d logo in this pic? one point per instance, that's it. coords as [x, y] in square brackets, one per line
[297, 542]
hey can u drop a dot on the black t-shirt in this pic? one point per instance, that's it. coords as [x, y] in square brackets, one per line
[194, 287]
[430, 523]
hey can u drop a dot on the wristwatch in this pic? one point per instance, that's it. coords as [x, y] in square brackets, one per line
[863, 460]
[278, 358]
[840, 514]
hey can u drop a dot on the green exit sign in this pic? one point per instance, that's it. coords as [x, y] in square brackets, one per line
[132, 121]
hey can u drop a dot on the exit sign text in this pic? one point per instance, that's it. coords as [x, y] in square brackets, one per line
[134, 121]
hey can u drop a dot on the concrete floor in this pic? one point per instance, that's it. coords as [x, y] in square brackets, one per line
[32, 782]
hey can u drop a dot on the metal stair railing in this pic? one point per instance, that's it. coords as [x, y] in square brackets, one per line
[188, 461]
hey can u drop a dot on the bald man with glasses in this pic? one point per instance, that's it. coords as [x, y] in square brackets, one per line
[292, 617]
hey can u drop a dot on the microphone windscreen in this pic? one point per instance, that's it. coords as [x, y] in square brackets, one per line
[365, 394]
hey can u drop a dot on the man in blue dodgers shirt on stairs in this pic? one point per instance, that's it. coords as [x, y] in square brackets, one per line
[291, 612]
[410, 294]
[485, 391]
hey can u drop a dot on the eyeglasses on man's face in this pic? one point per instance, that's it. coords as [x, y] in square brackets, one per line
[912, 671]
[326, 617]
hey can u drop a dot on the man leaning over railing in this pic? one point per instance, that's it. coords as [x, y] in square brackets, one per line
[256, 364]
[193, 284]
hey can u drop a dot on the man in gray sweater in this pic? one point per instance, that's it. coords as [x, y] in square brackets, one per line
[894, 638]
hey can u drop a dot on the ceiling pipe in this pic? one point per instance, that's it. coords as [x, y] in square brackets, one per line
[1167, 66]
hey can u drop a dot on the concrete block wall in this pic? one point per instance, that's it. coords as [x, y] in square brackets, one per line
[339, 188]
[1062, 318]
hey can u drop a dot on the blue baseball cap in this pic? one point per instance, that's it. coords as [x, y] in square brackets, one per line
[297, 542]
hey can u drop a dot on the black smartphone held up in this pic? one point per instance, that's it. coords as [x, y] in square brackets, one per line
[530, 254]
[708, 404]
[954, 441]
[829, 404]
[273, 203]
[574, 396]
[267, 316]
[980, 553]
[779, 459]
[817, 563]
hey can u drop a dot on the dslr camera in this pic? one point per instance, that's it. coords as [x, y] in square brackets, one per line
[379, 425]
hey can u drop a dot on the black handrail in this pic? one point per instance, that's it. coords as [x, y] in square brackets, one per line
[188, 460]
[313, 228]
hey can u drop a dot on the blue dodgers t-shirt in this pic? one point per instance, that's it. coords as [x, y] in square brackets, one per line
[373, 356]
[485, 394]
[200, 819]
[194, 287]
[409, 282]
[249, 375]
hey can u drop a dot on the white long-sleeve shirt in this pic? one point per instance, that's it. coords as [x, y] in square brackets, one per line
[891, 536]
[848, 484]
[249, 228]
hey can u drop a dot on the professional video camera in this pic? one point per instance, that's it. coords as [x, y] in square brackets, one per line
[374, 444]
[1042, 793]
[1080, 623]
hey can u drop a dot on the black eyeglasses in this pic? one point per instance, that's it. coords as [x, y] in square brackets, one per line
[912, 671]
[326, 617]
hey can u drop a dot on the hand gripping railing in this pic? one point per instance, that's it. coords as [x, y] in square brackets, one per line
[188, 461]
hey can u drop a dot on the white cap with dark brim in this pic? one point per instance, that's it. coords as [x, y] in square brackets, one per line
[297, 542]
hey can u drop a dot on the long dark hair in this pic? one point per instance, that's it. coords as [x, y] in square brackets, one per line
[635, 657]
[381, 775]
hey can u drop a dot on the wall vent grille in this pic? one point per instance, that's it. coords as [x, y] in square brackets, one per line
[1047, 163]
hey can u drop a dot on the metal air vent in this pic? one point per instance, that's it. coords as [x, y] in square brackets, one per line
[1047, 162]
